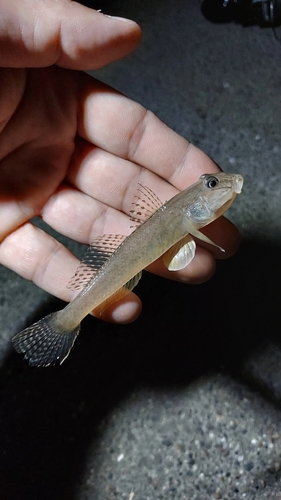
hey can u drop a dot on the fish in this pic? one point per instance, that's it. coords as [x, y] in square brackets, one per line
[113, 264]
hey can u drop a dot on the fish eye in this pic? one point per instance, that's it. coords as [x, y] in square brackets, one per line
[212, 182]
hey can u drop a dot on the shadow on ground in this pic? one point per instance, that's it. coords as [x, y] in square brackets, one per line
[50, 416]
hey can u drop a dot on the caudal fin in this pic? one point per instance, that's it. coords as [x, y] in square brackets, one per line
[43, 343]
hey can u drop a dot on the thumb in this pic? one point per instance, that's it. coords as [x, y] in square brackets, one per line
[39, 34]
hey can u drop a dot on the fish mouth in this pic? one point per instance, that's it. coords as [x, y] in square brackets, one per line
[238, 184]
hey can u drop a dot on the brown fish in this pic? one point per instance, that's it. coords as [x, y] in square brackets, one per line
[112, 265]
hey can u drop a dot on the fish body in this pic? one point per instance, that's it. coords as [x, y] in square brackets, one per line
[115, 263]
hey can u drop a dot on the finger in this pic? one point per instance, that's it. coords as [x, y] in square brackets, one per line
[39, 258]
[124, 128]
[124, 311]
[39, 34]
[82, 218]
[112, 180]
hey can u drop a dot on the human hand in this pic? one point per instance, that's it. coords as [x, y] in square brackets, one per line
[73, 150]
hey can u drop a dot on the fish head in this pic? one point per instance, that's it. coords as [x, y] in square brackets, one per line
[213, 194]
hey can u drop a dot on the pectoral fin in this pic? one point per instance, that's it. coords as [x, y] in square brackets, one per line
[205, 238]
[180, 254]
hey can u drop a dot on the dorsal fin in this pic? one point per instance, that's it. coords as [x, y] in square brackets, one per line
[147, 202]
[95, 257]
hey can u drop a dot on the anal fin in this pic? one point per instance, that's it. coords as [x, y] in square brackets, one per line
[118, 295]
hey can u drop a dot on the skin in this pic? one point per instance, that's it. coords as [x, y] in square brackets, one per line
[73, 150]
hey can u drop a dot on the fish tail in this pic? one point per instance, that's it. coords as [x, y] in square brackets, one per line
[45, 343]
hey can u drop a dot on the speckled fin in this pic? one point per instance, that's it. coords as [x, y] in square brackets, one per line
[119, 294]
[97, 254]
[43, 344]
[145, 204]
[180, 254]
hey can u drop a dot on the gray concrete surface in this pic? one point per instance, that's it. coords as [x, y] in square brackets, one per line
[183, 404]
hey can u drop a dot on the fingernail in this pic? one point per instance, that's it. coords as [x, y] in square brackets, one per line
[116, 18]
